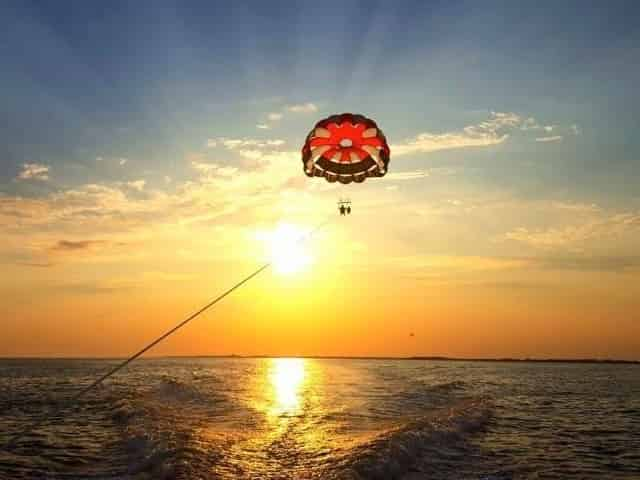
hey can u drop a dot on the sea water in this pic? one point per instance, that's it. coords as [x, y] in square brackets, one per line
[268, 418]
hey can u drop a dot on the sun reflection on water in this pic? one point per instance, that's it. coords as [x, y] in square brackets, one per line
[287, 377]
[285, 427]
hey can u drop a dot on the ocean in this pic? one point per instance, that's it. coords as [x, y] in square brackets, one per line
[288, 418]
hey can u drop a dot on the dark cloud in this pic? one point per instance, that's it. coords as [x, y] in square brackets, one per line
[70, 245]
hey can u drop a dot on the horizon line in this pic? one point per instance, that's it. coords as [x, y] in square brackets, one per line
[347, 357]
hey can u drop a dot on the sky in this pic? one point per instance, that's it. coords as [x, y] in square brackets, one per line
[150, 151]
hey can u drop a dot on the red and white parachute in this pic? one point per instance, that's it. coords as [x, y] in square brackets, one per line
[345, 148]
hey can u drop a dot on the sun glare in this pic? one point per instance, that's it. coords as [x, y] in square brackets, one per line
[287, 249]
[287, 377]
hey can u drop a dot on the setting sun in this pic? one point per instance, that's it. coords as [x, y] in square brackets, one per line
[286, 249]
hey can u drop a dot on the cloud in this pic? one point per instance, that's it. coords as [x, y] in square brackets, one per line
[593, 225]
[137, 184]
[576, 207]
[123, 161]
[209, 170]
[34, 171]
[256, 153]
[489, 132]
[427, 142]
[531, 123]
[548, 238]
[71, 246]
[135, 214]
[499, 127]
[554, 138]
[408, 175]
[240, 143]
[104, 207]
[560, 132]
[303, 108]
[308, 107]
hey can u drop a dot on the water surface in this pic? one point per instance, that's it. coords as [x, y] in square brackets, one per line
[325, 419]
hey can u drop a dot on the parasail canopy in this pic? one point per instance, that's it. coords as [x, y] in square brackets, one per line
[345, 148]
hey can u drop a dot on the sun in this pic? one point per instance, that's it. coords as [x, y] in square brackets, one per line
[287, 250]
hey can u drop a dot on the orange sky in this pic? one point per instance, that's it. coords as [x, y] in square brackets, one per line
[363, 294]
[143, 166]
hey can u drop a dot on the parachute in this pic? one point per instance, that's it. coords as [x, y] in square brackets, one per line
[345, 148]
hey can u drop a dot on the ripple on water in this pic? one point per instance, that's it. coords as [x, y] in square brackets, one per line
[329, 419]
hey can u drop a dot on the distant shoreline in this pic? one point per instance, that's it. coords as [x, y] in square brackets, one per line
[338, 357]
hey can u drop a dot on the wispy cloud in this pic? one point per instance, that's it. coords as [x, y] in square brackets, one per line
[408, 175]
[499, 127]
[490, 132]
[209, 170]
[554, 138]
[34, 171]
[240, 143]
[576, 207]
[137, 184]
[297, 108]
[303, 108]
[204, 167]
[123, 161]
[257, 153]
[595, 224]
[118, 208]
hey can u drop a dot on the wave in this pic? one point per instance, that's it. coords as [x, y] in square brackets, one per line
[147, 456]
[164, 444]
[160, 426]
[400, 450]
[174, 390]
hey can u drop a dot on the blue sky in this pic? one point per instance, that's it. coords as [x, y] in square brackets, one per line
[150, 80]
